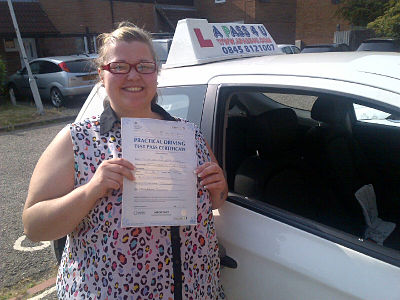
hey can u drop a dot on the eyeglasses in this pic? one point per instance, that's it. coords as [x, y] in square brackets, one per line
[125, 68]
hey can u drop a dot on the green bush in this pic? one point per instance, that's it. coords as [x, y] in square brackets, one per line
[388, 25]
[3, 77]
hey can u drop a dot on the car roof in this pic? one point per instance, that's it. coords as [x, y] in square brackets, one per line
[286, 45]
[58, 59]
[369, 68]
[375, 40]
[322, 45]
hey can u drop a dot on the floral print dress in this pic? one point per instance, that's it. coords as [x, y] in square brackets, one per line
[101, 260]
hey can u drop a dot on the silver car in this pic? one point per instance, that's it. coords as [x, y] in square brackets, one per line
[58, 78]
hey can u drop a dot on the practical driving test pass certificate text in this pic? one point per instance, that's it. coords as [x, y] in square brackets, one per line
[165, 190]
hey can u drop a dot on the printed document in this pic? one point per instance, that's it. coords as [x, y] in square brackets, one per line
[165, 190]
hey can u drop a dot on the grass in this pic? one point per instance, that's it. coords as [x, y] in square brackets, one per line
[11, 115]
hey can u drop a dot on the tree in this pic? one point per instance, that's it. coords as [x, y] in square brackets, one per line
[388, 24]
[361, 12]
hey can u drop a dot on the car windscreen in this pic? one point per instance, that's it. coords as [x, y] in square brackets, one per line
[183, 101]
[81, 66]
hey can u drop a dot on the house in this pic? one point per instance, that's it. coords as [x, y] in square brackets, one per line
[66, 27]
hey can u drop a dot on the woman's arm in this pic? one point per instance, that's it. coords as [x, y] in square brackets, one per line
[213, 179]
[53, 207]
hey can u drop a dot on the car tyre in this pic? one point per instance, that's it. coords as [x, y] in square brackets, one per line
[56, 97]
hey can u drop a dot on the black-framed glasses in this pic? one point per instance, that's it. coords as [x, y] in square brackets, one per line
[124, 67]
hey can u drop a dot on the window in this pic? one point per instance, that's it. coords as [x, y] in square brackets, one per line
[295, 50]
[48, 67]
[375, 116]
[183, 102]
[35, 67]
[277, 156]
[10, 45]
[81, 66]
[287, 50]
[304, 102]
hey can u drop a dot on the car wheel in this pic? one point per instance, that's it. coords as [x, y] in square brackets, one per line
[58, 248]
[13, 92]
[57, 99]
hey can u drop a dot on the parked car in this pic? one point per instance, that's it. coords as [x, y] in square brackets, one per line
[301, 165]
[162, 46]
[58, 78]
[289, 49]
[325, 48]
[380, 44]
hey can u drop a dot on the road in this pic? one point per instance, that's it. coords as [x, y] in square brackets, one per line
[20, 150]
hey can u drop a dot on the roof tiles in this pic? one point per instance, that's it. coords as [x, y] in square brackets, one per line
[30, 17]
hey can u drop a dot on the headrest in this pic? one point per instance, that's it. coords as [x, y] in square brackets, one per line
[329, 110]
[275, 131]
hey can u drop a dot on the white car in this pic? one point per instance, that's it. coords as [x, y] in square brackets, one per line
[289, 49]
[314, 204]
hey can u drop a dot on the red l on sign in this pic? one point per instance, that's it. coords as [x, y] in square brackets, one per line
[203, 43]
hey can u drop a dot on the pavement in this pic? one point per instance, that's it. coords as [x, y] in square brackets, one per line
[47, 287]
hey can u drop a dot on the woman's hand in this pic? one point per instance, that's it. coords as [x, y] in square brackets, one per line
[109, 176]
[213, 179]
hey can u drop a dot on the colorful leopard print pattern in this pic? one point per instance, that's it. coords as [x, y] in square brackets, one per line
[101, 260]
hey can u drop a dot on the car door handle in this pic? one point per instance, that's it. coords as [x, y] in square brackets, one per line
[228, 262]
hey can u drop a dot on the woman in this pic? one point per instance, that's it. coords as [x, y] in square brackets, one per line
[76, 190]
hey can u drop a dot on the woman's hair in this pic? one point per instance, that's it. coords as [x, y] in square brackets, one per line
[126, 32]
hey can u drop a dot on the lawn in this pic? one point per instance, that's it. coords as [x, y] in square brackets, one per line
[11, 115]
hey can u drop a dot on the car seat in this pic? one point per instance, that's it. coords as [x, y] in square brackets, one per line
[278, 174]
[332, 150]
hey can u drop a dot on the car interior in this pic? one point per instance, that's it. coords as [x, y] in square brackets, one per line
[314, 161]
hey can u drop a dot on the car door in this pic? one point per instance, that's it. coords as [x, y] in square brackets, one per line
[282, 254]
[379, 135]
[24, 78]
[46, 76]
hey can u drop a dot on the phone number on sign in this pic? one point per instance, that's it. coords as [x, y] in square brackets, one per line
[248, 49]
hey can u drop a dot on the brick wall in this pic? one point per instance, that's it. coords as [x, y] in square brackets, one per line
[278, 16]
[231, 10]
[316, 22]
[142, 14]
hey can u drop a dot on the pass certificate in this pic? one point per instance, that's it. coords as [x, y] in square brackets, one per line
[165, 189]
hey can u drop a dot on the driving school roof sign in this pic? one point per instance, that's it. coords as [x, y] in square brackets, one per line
[196, 42]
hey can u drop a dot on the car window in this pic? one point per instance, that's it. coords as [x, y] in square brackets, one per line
[35, 67]
[287, 50]
[378, 46]
[81, 66]
[318, 169]
[183, 101]
[304, 102]
[372, 115]
[317, 49]
[48, 67]
[295, 50]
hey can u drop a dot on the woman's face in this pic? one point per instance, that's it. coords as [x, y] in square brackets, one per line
[130, 94]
